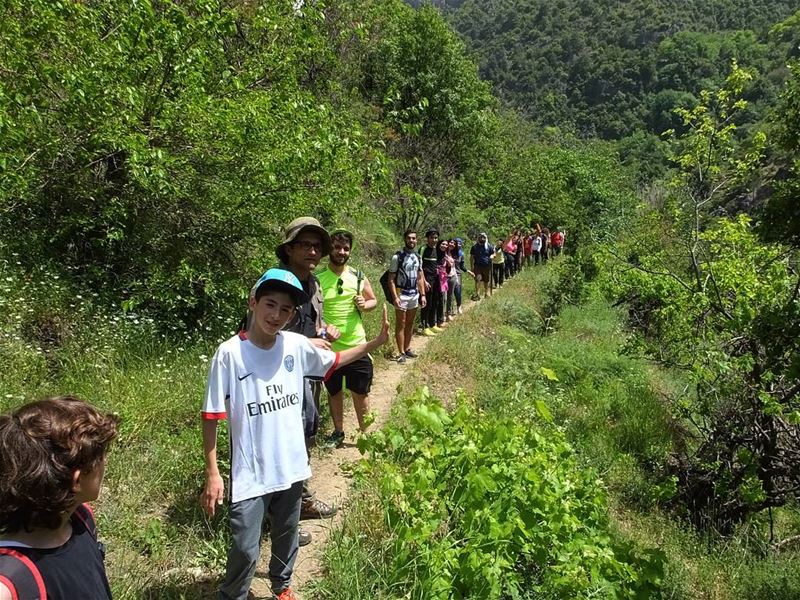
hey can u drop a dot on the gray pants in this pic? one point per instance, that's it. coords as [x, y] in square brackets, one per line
[247, 517]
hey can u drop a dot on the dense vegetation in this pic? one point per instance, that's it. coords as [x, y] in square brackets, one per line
[150, 153]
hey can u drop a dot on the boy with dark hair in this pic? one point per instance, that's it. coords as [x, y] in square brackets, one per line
[52, 462]
[256, 382]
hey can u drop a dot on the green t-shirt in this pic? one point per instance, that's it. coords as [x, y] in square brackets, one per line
[339, 307]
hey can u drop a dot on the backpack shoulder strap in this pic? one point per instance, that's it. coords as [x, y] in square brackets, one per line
[21, 576]
[85, 515]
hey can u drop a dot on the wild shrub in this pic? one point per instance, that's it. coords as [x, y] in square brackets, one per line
[488, 507]
[736, 335]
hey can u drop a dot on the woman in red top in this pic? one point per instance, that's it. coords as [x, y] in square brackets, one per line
[527, 249]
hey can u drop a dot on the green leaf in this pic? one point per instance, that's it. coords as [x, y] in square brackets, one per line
[543, 411]
[549, 373]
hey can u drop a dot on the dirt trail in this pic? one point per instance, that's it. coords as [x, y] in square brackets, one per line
[329, 482]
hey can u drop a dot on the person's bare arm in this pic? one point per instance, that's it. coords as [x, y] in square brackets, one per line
[214, 489]
[366, 301]
[5, 593]
[393, 288]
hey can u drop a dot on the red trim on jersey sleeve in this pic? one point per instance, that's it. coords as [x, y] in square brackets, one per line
[333, 368]
[37, 576]
[214, 416]
[10, 587]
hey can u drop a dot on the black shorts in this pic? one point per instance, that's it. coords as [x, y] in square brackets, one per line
[358, 375]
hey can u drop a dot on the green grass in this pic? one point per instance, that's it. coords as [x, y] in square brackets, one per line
[160, 544]
[615, 410]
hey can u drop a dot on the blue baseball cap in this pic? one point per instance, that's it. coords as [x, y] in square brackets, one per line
[284, 281]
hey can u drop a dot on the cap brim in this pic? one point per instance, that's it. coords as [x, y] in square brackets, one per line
[298, 296]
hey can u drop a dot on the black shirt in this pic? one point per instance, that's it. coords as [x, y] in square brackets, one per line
[73, 570]
[429, 260]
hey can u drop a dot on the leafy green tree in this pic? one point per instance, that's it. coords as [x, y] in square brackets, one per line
[713, 300]
[155, 148]
[781, 213]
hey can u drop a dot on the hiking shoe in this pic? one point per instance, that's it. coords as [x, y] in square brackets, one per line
[316, 509]
[437, 329]
[303, 537]
[334, 440]
[429, 332]
[411, 354]
[401, 359]
[286, 594]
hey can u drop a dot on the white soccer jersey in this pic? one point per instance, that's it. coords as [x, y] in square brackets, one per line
[261, 393]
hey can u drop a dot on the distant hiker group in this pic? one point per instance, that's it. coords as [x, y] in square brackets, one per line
[432, 280]
[303, 329]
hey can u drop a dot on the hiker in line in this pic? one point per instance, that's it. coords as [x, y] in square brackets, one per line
[257, 381]
[305, 243]
[545, 244]
[557, 241]
[406, 284]
[509, 248]
[433, 309]
[527, 249]
[347, 295]
[52, 462]
[498, 265]
[536, 246]
[445, 266]
[480, 263]
[455, 286]
[518, 254]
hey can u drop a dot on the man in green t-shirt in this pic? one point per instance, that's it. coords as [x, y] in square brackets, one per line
[347, 294]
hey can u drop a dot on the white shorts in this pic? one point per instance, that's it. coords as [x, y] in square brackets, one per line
[409, 300]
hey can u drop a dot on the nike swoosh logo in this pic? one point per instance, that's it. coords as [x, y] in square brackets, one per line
[245, 376]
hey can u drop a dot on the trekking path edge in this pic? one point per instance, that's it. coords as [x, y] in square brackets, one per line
[331, 483]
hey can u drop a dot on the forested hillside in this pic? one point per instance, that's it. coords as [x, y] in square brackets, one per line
[611, 69]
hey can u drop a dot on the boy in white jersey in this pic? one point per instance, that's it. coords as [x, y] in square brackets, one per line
[256, 382]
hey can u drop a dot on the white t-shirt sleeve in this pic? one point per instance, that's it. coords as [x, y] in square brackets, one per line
[317, 363]
[217, 389]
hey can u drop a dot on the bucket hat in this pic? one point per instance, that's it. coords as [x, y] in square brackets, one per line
[295, 228]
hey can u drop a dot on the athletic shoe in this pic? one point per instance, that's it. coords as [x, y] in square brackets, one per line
[303, 537]
[287, 594]
[460, 311]
[315, 509]
[401, 359]
[334, 440]
[411, 354]
[429, 332]
[437, 329]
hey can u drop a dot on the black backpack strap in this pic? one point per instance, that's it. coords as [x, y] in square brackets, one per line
[21, 576]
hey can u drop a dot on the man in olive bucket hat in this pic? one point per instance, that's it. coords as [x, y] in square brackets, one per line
[305, 242]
